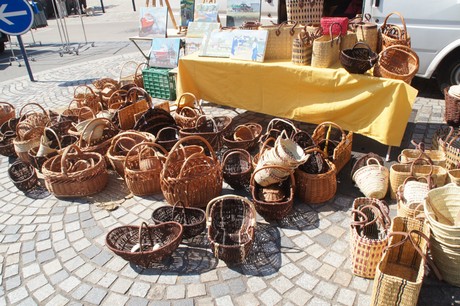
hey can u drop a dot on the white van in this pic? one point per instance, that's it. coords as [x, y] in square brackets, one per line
[434, 28]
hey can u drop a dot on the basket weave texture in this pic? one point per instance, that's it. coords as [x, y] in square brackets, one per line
[237, 168]
[369, 231]
[358, 60]
[397, 62]
[23, 175]
[279, 40]
[187, 113]
[7, 112]
[231, 223]
[452, 110]
[305, 11]
[372, 179]
[156, 242]
[392, 34]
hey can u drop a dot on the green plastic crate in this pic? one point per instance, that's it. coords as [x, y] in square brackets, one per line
[159, 83]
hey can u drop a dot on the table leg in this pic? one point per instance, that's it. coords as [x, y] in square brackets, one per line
[387, 158]
[147, 57]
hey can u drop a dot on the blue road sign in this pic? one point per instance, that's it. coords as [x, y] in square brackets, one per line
[16, 16]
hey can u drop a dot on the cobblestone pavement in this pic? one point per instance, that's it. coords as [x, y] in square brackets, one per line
[53, 250]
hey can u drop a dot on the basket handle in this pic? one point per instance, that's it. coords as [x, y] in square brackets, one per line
[240, 152]
[120, 95]
[438, 215]
[428, 179]
[87, 88]
[338, 35]
[402, 21]
[377, 213]
[67, 151]
[408, 236]
[285, 23]
[147, 144]
[196, 103]
[132, 94]
[85, 108]
[103, 121]
[274, 120]
[125, 64]
[30, 104]
[195, 155]
[416, 161]
[231, 196]
[405, 49]
[246, 127]
[291, 173]
[184, 212]
[265, 145]
[8, 104]
[372, 159]
[184, 140]
[143, 226]
[54, 134]
[364, 44]
[165, 129]
[128, 134]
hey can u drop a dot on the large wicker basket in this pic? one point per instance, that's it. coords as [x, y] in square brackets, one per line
[372, 179]
[195, 179]
[75, 173]
[237, 168]
[145, 245]
[231, 223]
[369, 231]
[7, 112]
[187, 113]
[392, 34]
[23, 175]
[452, 110]
[397, 62]
[358, 60]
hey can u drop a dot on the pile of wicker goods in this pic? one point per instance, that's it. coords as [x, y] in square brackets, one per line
[369, 235]
[335, 142]
[372, 179]
[145, 245]
[231, 222]
[243, 136]
[442, 211]
[399, 275]
[194, 179]
[188, 112]
[142, 168]
[410, 196]
[75, 173]
[193, 219]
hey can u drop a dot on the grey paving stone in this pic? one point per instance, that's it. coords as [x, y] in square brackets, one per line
[102, 258]
[74, 263]
[270, 297]
[95, 295]
[28, 246]
[84, 270]
[175, 292]
[342, 278]
[61, 245]
[246, 299]
[36, 282]
[11, 270]
[237, 286]
[325, 239]
[326, 290]
[189, 279]
[121, 285]
[363, 299]
[167, 279]
[114, 299]
[71, 218]
[298, 296]
[219, 290]
[67, 254]
[346, 297]
[316, 301]
[52, 267]
[224, 301]
[195, 290]
[137, 301]
[256, 284]
[307, 281]
[59, 277]
[360, 284]
[139, 289]
[311, 264]
[11, 238]
[91, 251]
[229, 274]
[44, 235]
[334, 259]
[17, 295]
[88, 223]
[58, 300]
[107, 280]
[95, 276]
[30, 270]
[325, 271]
[290, 270]
[69, 284]
[81, 291]
[93, 232]
[43, 293]
[209, 276]
[27, 302]
[11, 229]
[184, 302]
[46, 256]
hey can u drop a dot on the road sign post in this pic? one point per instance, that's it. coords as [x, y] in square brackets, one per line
[16, 18]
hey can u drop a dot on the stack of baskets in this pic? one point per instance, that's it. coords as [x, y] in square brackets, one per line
[452, 111]
[411, 194]
[442, 210]
[372, 179]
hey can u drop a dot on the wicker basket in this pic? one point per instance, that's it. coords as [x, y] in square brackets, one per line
[7, 134]
[23, 175]
[367, 32]
[399, 276]
[7, 112]
[305, 11]
[369, 232]
[362, 161]
[187, 113]
[195, 179]
[454, 176]
[138, 102]
[452, 110]
[167, 137]
[316, 188]
[372, 179]
[249, 144]
[85, 96]
[326, 50]
[437, 157]
[324, 133]
[210, 128]
[400, 172]
[128, 73]
[100, 143]
[237, 168]
[274, 201]
[152, 242]
[120, 146]
[75, 173]
[279, 40]
[192, 219]
[358, 60]
[397, 62]
[231, 221]
[302, 47]
[142, 172]
[392, 34]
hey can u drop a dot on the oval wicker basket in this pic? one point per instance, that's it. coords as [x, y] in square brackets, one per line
[372, 179]
[397, 62]
[237, 168]
[358, 60]
[23, 175]
[231, 221]
[7, 112]
[154, 242]
[247, 144]
[392, 34]
[187, 113]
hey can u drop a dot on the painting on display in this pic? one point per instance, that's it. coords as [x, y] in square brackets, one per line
[240, 11]
[164, 52]
[249, 45]
[153, 21]
[217, 44]
[192, 44]
[206, 12]
[198, 29]
[187, 8]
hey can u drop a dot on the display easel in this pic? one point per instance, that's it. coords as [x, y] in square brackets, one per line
[66, 47]
[14, 57]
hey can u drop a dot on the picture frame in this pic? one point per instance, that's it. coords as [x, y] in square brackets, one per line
[192, 44]
[249, 45]
[153, 21]
[164, 52]
[217, 44]
[206, 12]
[199, 29]
[187, 10]
[241, 11]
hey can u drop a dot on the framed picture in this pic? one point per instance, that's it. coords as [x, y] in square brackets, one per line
[192, 44]
[217, 44]
[164, 52]
[240, 11]
[249, 45]
[153, 21]
[198, 29]
[206, 12]
[187, 8]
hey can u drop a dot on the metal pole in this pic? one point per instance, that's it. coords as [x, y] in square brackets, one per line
[134, 6]
[24, 56]
[102, 6]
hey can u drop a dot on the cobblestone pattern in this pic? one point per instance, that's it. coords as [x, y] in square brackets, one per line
[53, 251]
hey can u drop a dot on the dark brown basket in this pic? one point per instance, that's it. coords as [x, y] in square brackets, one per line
[249, 144]
[358, 60]
[397, 62]
[154, 120]
[121, 241]
[192, 219]
[237, 168]
[280, 208]
[23, 175]
[167, 137]
[231, 222]
[7, 134]
[452, 112]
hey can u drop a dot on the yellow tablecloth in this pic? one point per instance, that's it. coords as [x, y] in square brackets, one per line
[375, 107]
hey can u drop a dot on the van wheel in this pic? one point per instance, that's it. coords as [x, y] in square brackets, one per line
[449, 72]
